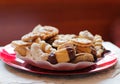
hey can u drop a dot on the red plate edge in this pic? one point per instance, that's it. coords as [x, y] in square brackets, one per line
[76, 72]
[99, 67]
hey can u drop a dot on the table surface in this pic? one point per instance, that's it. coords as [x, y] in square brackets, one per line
[10, 75]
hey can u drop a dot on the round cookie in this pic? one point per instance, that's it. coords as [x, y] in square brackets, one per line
[82, 45]
[81, 42]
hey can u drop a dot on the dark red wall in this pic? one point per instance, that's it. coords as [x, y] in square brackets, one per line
[18, 17]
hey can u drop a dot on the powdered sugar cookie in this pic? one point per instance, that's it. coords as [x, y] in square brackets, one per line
[62, 38]
[45, 32]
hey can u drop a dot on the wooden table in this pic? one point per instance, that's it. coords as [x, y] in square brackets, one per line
[10, 75]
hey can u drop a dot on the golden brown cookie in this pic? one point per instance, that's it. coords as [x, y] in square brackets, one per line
[62, 38]
[98, 40]
[22, 50]
[16, 43]
[62, 55]
[65, 45]
[84, 57]
[82, 45]
[82, 42]
[86, 34]
[29, 37]
[45, 32]
[80, 49]
[98, 45]
[37, 40]
[45, 44]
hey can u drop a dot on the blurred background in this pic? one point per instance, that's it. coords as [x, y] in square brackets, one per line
[18, 17]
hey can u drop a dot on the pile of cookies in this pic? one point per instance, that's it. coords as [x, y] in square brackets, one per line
[45, 43]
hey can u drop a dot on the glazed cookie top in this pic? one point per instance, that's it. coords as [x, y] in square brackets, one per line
[44, 43]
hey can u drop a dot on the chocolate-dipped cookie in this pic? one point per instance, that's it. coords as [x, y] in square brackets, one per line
[62, 55]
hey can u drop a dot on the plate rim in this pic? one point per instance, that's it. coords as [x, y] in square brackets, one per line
[75, 72]
[52, 72]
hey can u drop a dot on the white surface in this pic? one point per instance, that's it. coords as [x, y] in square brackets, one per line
[9, 75]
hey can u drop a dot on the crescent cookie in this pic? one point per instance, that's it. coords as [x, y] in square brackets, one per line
[81, 42]
[37, 53]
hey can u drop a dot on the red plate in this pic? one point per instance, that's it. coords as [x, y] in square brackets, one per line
[9, 58]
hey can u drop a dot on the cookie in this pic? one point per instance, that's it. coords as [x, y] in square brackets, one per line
[82, 45]
[44, 43]
[37, 40]
[62, 56]
[99, 53]
[22, 50]
[81, 42]
[16, 43]
[66, 44]
[81, 49]
[37, 54]
[62, 38]
[51, 40]
[98, 45]
[45, 47]
[86, 34]
[84, 57]
[45, 32]
[98, 40]
[29, 37]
